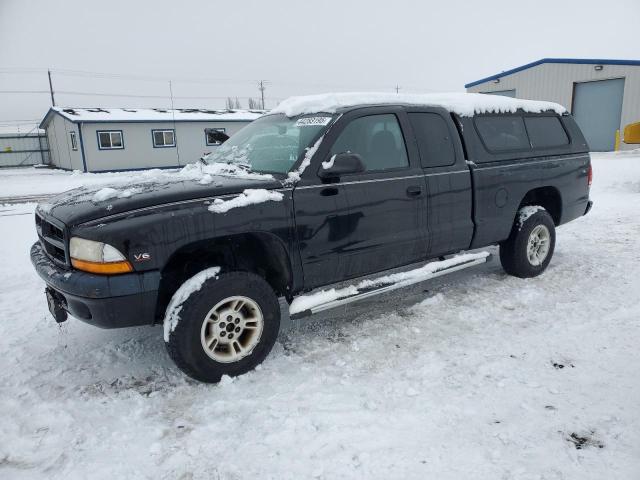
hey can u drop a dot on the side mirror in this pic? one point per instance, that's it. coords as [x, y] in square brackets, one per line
[341, 164]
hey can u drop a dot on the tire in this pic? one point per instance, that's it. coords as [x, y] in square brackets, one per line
[203, 321]
[525, 254]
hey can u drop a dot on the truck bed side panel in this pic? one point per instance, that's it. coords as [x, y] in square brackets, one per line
[502, 181]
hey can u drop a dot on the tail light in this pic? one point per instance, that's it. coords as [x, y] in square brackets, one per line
[590, 175]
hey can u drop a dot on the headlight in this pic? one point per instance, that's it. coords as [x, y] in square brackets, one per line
[97, 257]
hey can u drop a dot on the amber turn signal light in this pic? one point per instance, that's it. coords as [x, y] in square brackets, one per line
[106, 268]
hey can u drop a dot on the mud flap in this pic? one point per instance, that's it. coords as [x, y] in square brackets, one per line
[55, 306]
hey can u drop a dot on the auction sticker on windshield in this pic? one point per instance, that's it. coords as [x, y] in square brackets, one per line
[312, 121]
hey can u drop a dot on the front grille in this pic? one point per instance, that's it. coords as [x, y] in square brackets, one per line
[52, 239]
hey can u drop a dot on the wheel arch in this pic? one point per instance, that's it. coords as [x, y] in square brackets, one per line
[259, 252]
[547, 197]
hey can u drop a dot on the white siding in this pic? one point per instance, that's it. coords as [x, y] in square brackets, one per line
[139, 152]
[554, 82]
[62, 155]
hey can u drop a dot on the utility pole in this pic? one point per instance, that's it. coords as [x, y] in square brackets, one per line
[397, 89]
[173, 116]
[53, 100]
[262, 87]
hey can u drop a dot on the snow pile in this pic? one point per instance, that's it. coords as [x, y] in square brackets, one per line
[250, 196]
[108, 193]
[485, 376]
[294, 177]
[464, 104]
[305, 302]
[525, 212]
[188, 288]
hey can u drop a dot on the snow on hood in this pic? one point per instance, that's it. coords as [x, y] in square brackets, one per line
[124, 186]
[463, 104]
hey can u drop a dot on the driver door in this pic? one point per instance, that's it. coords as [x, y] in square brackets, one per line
[385, 202]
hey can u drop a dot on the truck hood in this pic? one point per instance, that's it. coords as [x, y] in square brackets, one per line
[85, 204]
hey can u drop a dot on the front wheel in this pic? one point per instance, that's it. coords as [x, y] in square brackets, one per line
[226, 327]
[529, 248]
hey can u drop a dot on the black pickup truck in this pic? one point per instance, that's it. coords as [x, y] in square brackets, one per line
[322, 191]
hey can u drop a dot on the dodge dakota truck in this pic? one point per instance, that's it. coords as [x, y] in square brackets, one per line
[322, 191]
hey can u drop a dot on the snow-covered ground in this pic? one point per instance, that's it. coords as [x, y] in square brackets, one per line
[483, 376]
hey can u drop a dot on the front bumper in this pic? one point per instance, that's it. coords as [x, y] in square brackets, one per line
[104, 301]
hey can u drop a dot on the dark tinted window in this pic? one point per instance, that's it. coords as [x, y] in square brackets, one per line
[503, 132]
[546, 132]
[377, 139]
[215, 136]
[434, 139]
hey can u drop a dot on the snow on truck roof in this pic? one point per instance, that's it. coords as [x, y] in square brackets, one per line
[463, 104]
[153, 114]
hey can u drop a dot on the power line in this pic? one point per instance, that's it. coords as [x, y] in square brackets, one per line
[24, 91]
[125, 95]
[200, 80]
[150, 78]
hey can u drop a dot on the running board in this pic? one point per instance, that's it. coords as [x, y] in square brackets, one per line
[382, 287]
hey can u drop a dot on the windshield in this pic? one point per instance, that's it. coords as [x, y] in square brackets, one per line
[270, 144]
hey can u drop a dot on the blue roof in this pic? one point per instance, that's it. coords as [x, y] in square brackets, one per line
[583, 61]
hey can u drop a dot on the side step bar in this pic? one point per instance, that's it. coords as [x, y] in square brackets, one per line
[370, 288]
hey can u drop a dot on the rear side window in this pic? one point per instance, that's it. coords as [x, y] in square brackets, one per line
[546, 132]
[377, 139]
[434, 140]
[503, 133]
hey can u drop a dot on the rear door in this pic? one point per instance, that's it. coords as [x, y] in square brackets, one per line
[386, 201]
[449, 192]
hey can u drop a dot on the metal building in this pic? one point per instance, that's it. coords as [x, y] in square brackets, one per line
[113, 139]
[602, 95]
[18, 149]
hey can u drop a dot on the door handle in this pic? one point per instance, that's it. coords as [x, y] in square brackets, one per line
[329, 191]
[414, 191]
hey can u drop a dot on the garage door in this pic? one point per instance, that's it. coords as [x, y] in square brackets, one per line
[597, 107]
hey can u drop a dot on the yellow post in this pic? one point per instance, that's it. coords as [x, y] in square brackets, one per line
[632, 133]
[617, 145]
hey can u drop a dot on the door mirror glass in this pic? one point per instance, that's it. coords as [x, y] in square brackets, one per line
[341, 164]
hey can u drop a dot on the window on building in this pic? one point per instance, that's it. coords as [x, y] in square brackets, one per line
[434, 139]
[110, 140]
[163, 138]
[74, 140]
[504, 93]
[546, 132]
[215, 136]
[502, 133]
[377, 139]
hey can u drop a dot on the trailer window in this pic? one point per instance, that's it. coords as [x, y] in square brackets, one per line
[434, 140]
[110, 140]
[74, 140]
[215, 136]
[164, 138]
[546, 132]
[502, 133]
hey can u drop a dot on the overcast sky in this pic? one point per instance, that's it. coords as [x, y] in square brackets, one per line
[218, 49]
